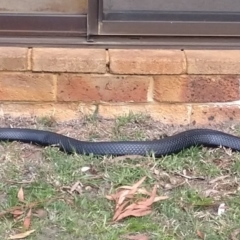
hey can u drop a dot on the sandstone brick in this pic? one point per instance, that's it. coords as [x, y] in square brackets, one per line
[147, 61]
[102, 88]
[69, 60]
[213, 61]
[196, 88]
[215, 114]
[60, 112]
[13, 59]
[166, 113]
[27, 87]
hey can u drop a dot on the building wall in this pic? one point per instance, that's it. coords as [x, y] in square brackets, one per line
[176, 87]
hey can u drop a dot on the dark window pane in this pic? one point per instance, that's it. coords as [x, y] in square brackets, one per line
[44, 6]
[172, 5]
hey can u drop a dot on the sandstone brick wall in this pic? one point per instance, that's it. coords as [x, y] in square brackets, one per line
[177, 87]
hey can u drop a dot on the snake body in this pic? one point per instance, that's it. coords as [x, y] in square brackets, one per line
[161, 147]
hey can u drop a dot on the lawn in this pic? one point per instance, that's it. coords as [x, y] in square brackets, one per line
[67, 193]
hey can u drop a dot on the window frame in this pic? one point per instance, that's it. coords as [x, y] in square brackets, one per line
[89, 30]
[164, 27]
[42, 25]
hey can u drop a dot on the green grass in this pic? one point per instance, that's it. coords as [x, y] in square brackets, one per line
[88, 215]
[130, 119]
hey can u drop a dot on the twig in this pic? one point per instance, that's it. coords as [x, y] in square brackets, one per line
[189, 177]
[22, 182]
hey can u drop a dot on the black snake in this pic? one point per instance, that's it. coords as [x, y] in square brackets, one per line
[161, 147]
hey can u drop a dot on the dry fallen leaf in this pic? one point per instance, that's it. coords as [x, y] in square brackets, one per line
[85, 169]
[10, 210]
[120, 196]
[76, 187]
[27, 220]
[134, 213]
[160, 198]
[20, 195]
[21, 235]
[119, 211]
[16, 213]
[140, 207]
[148, 202]
[136, 185]
[140, 190]
[200, 234]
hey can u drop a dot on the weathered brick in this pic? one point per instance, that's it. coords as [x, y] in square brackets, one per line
[102, 88]
[13, 59]
[147, 61]
[213, 61]
[215, 114]
[196, 88]
[26, 87]
[166, 113]
[69, 60]
[60, 112]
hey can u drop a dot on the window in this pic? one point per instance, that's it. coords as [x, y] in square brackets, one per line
[125, 22]
[43, 18]
[169, 18]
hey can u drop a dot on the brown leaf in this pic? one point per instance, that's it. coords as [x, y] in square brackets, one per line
[127, 193]
[77, 187]
[27, 220]
[111, 197]
[17, 213]
[140, 190]
[122, 196]
[200, 234]
[118, 197]
[10, 210]
[21, 235]
[123, 207]
[143, 191]
[134, 213]
[137, 237]
[119, 211]
[135, 206]
[235, 233]
[136, 185]
[149, 201]
[20, 195]
[160, 198]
